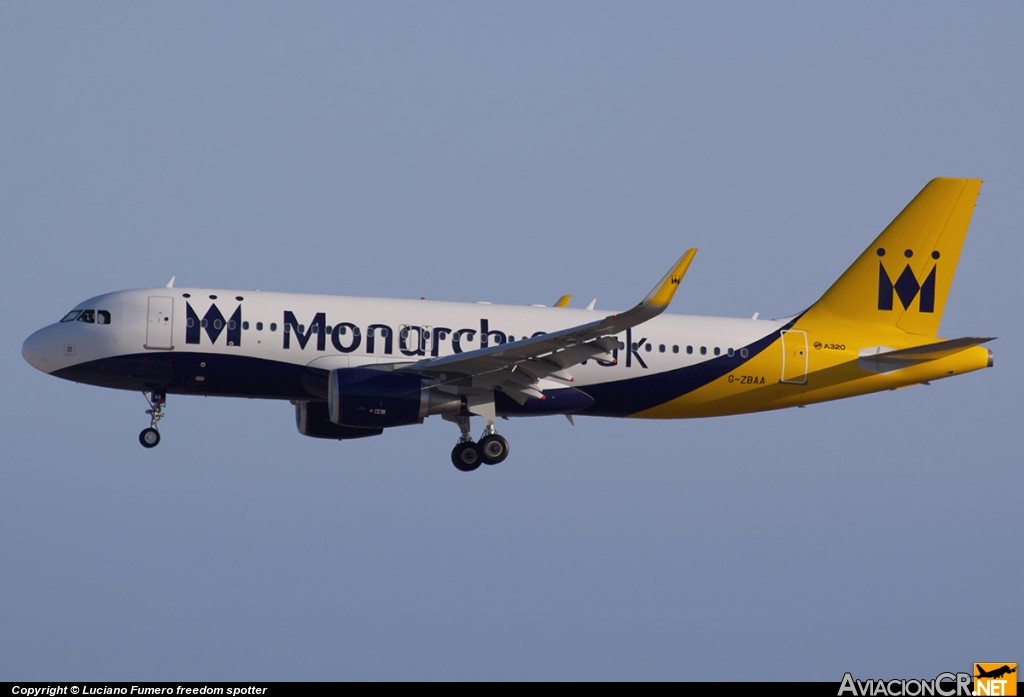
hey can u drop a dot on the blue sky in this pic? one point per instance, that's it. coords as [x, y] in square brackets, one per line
[508, 153]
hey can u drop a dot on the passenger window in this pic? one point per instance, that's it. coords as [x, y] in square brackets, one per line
[203, 323]
[70, 317]
[717, 351]
[245, 326]
[689, 349]
[102, 317]
[647, 348]
[703, 350]
[675, 349]
[743, 353]
[731, 353]
[259, 326]
[273, 327]
[661, 348]
[190, 323]
[231, 324]
[87, 316]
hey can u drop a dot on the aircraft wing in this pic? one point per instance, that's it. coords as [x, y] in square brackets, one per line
[518, 367]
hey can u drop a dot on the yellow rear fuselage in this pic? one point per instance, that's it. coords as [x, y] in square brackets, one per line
[815, 362]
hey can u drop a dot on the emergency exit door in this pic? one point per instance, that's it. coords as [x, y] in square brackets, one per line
[160, 326]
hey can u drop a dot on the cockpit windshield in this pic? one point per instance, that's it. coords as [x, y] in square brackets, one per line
[88, 316]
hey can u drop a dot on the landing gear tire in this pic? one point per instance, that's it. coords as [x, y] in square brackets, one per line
[150, 438]
[493, 449]
[466, 457]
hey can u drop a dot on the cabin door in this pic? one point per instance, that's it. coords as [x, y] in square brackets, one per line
[794, 357]
[160, 325]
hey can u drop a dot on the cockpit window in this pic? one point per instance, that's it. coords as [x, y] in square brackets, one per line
[88, 316]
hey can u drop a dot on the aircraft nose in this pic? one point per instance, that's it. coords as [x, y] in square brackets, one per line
[38, 351]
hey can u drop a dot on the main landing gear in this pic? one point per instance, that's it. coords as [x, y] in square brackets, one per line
[467, 455]
[150, 437]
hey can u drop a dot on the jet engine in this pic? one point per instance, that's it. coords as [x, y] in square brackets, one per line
[314, 420]
[368, 398]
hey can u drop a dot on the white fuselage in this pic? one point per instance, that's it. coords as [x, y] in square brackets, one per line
[237, 343]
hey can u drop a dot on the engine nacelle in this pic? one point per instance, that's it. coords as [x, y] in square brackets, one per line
[314, 420]
[368, 398]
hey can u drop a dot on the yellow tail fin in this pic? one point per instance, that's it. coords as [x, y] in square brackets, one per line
[903, 278]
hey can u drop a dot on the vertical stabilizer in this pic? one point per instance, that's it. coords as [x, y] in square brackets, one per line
[903, 278]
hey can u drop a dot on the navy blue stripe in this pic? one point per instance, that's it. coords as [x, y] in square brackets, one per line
[176, 372]
[625, 397]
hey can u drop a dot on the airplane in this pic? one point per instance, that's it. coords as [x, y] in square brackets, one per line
[353, 367]
[995, 673]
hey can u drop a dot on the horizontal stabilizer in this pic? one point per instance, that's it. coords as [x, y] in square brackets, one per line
[883, 359]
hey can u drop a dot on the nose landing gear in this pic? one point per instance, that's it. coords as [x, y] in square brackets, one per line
[150, 437]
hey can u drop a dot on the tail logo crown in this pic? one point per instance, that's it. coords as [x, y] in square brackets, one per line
[906, 287]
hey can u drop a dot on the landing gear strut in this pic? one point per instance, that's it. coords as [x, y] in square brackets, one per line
[150, 437]
[490, 450]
